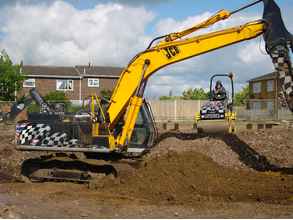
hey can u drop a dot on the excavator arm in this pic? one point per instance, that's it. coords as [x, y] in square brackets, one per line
[127, 96]
[278, 43]
[166, 53]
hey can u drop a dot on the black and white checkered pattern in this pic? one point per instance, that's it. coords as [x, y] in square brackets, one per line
[71, 143]
[56, 139]
[45, 108]
[281, 61]
[42, 134]
[31, 132]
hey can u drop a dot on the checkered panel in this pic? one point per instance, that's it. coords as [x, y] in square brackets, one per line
[281, 61]
[41, 133]
[56, 139]
[71, 143]
[31, 132]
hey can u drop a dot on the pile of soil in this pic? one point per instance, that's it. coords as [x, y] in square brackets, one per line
[190, 177]
[261, 150]
[10, 159]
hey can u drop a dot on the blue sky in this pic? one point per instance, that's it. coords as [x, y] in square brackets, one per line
[179, 9]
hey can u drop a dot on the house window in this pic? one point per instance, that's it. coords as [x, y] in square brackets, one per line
[93, 82]
[256, 105]
[270, 86]
[270, 106]
[64, 84]
[256, 87]
[29, 83]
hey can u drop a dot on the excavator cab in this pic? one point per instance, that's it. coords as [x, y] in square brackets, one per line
[144, 133]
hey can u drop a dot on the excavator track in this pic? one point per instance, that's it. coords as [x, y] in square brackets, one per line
[70, 168]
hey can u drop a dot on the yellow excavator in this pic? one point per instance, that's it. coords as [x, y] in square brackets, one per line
[124, 127]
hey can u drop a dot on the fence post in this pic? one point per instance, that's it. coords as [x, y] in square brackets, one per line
[175, 110]
[199, 104]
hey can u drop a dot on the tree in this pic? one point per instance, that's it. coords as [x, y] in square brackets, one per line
[168, 98]
[10, 78]
[242, 96]
[56, 96]
[195, 94]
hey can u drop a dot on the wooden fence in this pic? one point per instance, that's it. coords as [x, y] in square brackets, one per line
[175, 110]
[184, 110]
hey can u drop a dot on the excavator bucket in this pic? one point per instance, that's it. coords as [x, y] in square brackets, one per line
[278, 43]
[277, 33]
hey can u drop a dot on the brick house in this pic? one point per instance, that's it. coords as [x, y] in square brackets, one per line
[263, 92]
[76, 82]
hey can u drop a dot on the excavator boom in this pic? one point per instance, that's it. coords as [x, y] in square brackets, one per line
[167, 53]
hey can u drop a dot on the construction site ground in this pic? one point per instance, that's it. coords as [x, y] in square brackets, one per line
[186, 175]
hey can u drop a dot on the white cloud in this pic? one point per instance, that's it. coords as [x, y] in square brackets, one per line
[251, 53]
[59, 34]
[171, 25]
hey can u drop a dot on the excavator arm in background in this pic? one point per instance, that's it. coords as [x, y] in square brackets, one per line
[21, 105]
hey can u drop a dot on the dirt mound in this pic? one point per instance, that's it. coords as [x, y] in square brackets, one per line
[209, 145]
[190, 177]
[261, 150]
[10, 158]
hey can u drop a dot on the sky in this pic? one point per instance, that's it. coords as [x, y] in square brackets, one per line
[111, 32]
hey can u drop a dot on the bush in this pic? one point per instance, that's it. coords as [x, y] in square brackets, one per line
[106, 94]
[73, 108]
[33, 108]
[242, 96]
[51, 98]
[56, 96]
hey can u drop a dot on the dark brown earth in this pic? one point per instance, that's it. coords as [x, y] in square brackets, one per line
[185, 175]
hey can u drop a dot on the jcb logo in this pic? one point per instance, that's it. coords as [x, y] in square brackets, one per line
[171, 51]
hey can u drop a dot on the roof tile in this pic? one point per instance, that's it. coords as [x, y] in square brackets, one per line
[268, 76]
[68, 71]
